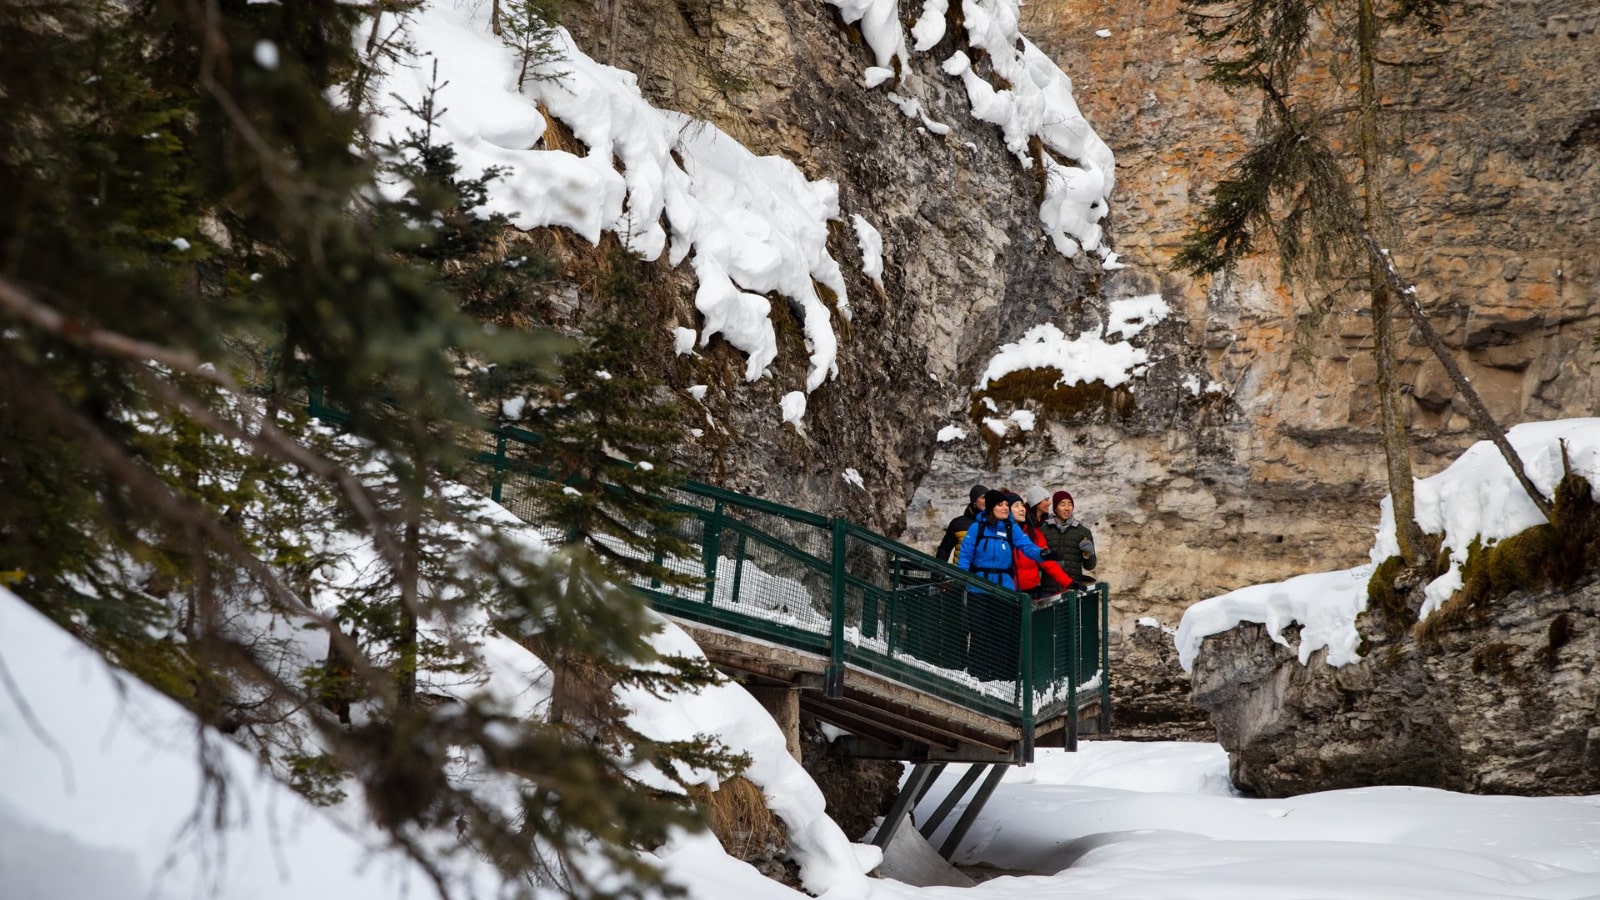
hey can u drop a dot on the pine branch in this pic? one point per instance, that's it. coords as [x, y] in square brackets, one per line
[46, 318]
[264, 437]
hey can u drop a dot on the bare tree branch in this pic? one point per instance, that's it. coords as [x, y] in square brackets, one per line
[1487, 426]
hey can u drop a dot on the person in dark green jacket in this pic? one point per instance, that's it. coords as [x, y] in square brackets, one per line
[1069, 538]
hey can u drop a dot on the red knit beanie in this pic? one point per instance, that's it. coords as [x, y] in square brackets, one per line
[1057, 497]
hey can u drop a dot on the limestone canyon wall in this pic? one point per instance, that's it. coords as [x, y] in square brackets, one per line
[1493, 182]
[1271, 465]
[963, 251]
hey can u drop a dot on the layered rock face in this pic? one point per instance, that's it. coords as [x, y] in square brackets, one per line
[1492, 182]
[1150, 690]
[963, 250]
[1507, 705]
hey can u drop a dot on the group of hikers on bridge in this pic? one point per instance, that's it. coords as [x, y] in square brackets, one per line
[1034, 544]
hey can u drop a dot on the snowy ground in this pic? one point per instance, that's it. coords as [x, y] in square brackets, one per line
[1129, 820]
[100, 780]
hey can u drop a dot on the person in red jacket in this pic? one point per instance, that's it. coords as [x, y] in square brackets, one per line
[1041, 579]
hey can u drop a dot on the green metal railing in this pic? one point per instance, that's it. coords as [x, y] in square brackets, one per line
[822, 585]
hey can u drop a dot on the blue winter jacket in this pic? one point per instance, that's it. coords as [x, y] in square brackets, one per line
[987, 550]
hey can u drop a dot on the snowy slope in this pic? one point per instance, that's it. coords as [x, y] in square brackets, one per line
[102, 769]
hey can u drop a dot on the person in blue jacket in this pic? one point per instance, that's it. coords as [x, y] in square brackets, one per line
[993, 622]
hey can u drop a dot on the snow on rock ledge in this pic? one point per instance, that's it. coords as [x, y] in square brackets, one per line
[1087, 358]
[1477, 497]
[1036, 101]
[756, 225]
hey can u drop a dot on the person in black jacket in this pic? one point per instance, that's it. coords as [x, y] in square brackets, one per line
[957, 529]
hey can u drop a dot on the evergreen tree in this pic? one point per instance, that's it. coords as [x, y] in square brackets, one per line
[179, 194]
[605, 441]
[602, 453]
[526, 26]
[1325, 211]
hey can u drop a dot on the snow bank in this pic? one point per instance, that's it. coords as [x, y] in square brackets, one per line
[829, 862]
[102, 779]
[1192, 768]
[1122, 820]
[1476, 497]
[1325, 604]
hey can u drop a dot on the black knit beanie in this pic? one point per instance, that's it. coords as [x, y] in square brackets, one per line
[992, 499]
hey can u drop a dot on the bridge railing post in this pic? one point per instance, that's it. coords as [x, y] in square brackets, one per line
[1104, 590]
[1074, 666]
[497, 487]
[1025, 674]
[711, 549]
[833, 680]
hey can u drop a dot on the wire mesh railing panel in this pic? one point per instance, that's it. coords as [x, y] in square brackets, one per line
[1068, 634]
[757, 575]
[812, 538]
[933, 628]
[1088, 662]
[973, 634]
[864, 630]
[994, 638]
[690, 567]
[692, 500]
[926, 621]
[519, 492]
[1053, 652]
[869, 562]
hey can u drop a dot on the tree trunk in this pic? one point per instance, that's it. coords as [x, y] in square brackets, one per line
[1396, 434]
[356, 95]
[406, 680]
